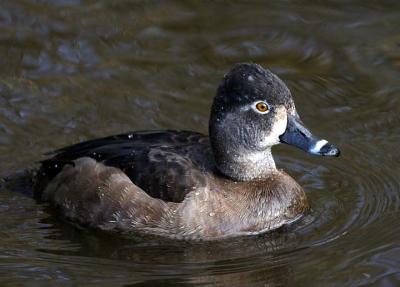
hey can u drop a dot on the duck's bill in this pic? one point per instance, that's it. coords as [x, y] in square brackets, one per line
[298, 135]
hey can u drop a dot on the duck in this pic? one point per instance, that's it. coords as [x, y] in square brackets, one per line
[186, 185]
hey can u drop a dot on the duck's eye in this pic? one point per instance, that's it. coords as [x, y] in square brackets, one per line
[262, 107]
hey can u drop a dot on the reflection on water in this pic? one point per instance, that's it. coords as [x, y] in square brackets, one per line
[72, 70]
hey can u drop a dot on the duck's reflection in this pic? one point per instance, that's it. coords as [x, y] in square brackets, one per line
[248, 261]
[266, 277]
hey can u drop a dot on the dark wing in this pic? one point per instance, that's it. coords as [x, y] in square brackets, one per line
[165, 164]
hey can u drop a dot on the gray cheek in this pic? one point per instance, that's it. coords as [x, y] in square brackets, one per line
[261, 128]
[268, 121]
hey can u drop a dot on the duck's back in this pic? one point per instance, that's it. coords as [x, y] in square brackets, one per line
[165, 164]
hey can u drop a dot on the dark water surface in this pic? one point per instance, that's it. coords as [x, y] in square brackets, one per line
[72, 70]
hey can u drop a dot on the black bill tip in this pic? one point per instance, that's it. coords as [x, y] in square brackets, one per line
[330, 150]
[324, 148]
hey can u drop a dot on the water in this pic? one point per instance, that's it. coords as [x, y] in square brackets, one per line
[72, 70]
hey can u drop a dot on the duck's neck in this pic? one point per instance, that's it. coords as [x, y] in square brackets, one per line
[246, 166]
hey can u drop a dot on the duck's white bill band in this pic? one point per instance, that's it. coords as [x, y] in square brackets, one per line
[317, 147]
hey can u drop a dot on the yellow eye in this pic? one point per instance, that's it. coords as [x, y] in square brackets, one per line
[262, 107]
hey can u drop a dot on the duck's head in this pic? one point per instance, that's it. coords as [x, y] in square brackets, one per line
[253, 111]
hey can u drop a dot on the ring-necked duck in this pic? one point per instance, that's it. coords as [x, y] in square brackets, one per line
[183, 184]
